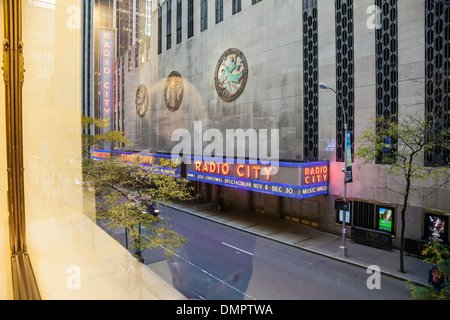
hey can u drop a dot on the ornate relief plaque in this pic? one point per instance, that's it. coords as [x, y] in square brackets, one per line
[142, 100]
[174, 91]
[231, 75]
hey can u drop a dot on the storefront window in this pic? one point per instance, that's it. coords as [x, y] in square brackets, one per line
[375, 217]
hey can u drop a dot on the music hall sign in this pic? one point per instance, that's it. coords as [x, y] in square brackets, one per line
[295, 180]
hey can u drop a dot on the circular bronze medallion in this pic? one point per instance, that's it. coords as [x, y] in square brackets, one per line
[231, 75]
[142, 100]
[174, 91]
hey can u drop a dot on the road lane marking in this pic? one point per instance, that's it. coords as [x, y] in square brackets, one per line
[229, 245]
[209, 274]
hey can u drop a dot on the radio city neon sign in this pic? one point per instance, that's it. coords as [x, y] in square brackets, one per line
[315, 174]
[142, 159]
[148, 160]
[101, 154]
[242, 170]
[106, 70]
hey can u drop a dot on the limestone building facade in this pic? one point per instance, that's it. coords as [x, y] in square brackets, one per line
[383, 58]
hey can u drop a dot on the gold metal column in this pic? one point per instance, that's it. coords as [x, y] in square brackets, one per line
[24, 282]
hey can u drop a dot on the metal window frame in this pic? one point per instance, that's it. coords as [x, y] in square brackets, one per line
[345, 76]
[437, 60]
[310, 81]
[386, 66]
[23, 278]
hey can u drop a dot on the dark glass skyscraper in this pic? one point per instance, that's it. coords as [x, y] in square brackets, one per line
[130, 21]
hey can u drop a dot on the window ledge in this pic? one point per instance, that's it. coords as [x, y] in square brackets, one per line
[5, 265]
[74, 259]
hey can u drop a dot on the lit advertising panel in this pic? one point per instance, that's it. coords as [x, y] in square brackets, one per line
[385, 219]
[106, 53]
[436, 227]
[294, 180]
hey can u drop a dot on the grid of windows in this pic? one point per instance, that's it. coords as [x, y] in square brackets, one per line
[159, 29]
[124, 22]
[374, 216]
[219, 11]
[364, 214]
[237, 6]
[437, 76]
[179, 21]
[136, 54]
[148, 18]
[204, 15]
[190, 18]
[119, 96]
[169, 24]
[386, 44]
[344, 75]
[311, 81]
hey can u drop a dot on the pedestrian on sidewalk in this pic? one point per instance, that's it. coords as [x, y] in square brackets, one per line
[435, 278]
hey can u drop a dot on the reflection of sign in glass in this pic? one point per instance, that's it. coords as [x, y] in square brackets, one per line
[385, 218]
[101, 154]
[231, 75]
[106, 78]
[436, 227]
[156, 163]
[142, 100]
[174, 91]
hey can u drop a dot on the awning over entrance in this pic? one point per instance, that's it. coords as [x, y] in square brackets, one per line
[297, 180]
[292, 179]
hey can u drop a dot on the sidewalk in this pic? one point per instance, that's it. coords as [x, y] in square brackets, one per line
[310, 239]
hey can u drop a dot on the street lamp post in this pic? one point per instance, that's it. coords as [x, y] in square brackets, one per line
[342, 248]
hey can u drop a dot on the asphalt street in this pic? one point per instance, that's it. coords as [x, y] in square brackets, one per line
[220, 262]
